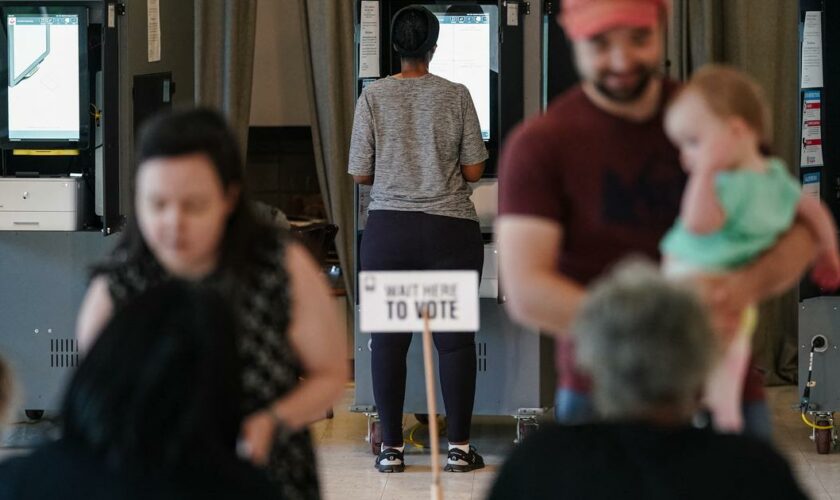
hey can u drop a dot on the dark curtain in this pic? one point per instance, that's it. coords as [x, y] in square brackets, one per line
[224, 59]
[329, 54]
[760, 37]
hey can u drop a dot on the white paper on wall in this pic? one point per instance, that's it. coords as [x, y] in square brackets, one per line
[153, 33]
[812, 51]
[811, 185]
[369, 40]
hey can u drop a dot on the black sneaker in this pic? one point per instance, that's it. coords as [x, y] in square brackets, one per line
[458, 461]
[390, 460]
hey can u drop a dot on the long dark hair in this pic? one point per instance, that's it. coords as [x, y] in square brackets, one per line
[186, 132]
[159, 392]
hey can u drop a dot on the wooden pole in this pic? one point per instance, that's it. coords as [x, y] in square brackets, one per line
[431, 402]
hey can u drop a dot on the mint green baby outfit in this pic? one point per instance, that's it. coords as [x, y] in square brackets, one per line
[758, 207]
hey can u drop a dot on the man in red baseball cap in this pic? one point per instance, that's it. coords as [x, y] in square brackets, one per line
[595, 179]
[585, 18]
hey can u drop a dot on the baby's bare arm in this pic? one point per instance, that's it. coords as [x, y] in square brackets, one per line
[701, 212]
[816, 216]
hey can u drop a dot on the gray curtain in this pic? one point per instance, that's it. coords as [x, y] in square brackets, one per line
[760, 37]
[224, 59]
[329, 57]
[695, 36]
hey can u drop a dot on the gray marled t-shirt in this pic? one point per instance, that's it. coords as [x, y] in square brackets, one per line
[413, 135]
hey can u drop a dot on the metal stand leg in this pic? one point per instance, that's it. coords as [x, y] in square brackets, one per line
[527, 422]
[374, 433]
[825, 437]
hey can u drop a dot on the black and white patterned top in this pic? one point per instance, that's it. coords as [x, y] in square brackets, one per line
[270, 367]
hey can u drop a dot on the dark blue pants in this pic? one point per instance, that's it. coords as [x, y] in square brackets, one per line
[576, 408]
[416, 241]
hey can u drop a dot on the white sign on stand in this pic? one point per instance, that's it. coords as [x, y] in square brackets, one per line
[392, 301]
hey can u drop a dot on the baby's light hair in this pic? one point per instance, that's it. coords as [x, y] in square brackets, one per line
[731, 93]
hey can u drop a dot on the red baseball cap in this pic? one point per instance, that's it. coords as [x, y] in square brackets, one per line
[586, 18]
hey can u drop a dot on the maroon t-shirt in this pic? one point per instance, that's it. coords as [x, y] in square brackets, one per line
[614, 186]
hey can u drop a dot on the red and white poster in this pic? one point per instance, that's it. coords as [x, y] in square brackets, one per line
[812, 155]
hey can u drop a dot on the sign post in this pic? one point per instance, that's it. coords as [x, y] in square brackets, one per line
[410, 301]
[431, 403]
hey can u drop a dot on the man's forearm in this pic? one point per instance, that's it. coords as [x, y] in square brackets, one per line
[537, 294]
[548, 302]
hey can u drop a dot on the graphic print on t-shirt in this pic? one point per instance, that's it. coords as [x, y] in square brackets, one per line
[643, 200]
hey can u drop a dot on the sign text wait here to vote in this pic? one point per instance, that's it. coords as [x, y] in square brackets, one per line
[394, 301]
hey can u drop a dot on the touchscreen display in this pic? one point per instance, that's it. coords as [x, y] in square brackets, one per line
[43, 79]
[463, 55]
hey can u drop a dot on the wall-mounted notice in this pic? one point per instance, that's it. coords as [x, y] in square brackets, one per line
[369, 40]
[513, 13]
[153, 32]
[811, 185]
[812, 51]
[811, 153]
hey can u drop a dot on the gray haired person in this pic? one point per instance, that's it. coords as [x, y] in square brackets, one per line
[647, 345]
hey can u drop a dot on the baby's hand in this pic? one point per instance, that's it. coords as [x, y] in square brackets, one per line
[710, 167]
[826, 272]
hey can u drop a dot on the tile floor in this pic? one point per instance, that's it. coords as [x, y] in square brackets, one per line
[818, 474]
[347, 472]
[346, 462]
